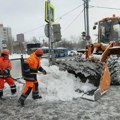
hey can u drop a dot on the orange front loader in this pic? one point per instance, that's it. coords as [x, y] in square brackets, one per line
[108, 49]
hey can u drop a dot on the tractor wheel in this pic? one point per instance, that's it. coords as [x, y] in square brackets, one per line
[114, 67]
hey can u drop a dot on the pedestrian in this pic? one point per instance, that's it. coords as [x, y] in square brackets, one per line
[30, 68]
[5, 76]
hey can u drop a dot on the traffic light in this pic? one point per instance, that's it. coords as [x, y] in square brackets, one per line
[56, 32]
[83, 35]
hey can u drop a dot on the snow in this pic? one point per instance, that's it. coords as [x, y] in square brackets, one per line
[16, 56]
[59, 99]
[87, 87]
[56, 85]
[60, 84]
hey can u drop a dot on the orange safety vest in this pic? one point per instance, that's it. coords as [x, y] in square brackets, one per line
[33, 61]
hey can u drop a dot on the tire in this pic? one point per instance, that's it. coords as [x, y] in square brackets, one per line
[114, 68]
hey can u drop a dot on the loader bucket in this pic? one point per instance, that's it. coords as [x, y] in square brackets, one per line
[101, 89]
[94, 77]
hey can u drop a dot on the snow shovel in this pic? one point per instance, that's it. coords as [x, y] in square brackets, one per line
[18, 80]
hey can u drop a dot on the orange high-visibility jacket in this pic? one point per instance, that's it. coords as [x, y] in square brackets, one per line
[33, 61]
[5, 63]
[33, 65]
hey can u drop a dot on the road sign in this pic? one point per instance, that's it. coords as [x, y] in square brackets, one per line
[56, 32]
[49, 15]
[46, 30]
[88, 37]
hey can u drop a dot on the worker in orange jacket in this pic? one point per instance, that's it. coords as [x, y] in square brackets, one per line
[30, 67]
[5, 76]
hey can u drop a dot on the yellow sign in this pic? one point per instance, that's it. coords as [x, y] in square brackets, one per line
[49, 15]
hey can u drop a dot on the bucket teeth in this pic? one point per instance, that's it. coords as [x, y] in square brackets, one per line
[97, 94]
[93, 95]
[91, 92]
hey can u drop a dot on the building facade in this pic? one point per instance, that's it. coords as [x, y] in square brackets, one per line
[21, 41]
[20, 38]
[5, 38]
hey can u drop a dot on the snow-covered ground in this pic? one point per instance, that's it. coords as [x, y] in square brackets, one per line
[15, 56]
[60, 101]
[56, 85]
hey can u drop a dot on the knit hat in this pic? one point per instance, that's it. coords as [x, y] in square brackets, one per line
[5, 51]
[39, 52]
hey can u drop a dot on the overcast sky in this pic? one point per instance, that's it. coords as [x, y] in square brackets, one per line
[27, 16]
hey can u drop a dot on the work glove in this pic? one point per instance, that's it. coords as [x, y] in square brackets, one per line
[6, 71]
[44, 72]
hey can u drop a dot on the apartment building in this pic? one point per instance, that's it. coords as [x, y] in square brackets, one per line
[20, 38]
[5, 37]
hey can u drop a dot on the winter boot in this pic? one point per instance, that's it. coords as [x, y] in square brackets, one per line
[1, 98]
[13, 89]
[21, 100]
[1, 95]
[21, 103]
[38, 97]
[35, 95]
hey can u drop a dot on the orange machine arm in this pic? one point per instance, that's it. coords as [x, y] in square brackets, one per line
[106, 53]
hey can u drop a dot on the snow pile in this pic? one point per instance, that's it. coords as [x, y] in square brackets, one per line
[56, 85]
[87, 87]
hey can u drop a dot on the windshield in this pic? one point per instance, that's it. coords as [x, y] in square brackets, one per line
[109, 31]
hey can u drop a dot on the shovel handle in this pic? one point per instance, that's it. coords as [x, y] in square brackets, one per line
[37, 73]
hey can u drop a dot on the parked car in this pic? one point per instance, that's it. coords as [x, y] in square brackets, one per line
[72, 52]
